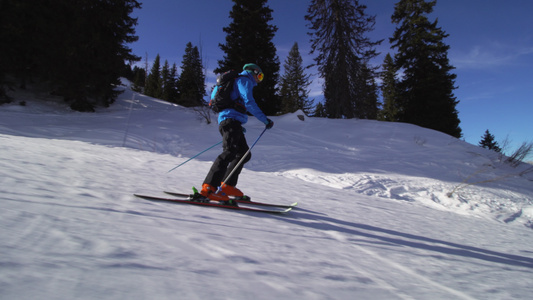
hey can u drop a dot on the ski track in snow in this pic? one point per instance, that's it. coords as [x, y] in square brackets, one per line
[373, 221]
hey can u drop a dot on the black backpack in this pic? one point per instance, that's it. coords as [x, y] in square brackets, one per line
[222, 99]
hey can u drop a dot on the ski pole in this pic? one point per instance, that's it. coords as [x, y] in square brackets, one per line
[240, 161]
[194, 157]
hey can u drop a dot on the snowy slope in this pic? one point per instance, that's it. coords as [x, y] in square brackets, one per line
[374, 220]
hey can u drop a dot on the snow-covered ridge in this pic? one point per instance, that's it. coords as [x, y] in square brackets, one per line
[389, 160]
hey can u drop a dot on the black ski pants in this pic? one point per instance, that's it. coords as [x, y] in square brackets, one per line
[234, 148]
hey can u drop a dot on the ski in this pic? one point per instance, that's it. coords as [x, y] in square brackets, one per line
[190, 196]
[211, 204]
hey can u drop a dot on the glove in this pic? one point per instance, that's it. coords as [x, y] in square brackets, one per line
[269, 124]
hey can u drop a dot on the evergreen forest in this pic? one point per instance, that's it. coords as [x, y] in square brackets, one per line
[79, 50]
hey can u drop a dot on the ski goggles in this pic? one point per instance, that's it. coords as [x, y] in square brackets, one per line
[259, 75]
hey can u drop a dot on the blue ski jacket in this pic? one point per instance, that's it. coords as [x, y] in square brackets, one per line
[242, 93]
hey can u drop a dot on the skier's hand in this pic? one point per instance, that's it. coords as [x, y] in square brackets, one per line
[269, 124]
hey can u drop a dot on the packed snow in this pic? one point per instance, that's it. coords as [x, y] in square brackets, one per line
[386, 210]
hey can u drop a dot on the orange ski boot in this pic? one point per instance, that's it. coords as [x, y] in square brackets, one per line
[231, 191]
[210, 192]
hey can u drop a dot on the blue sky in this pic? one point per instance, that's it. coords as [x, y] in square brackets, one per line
[491, 47]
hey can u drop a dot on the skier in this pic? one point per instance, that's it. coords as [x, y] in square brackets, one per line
[234, 143]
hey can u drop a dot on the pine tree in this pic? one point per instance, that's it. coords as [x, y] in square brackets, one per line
[165, 75]
[171, 86]
[320, 111]
[389, 86]
[166, 82]
[191, 83]
[249, 40]
[294, 91]
[338, 35]
[139, 78]
[76, 48]
[488, 142]
[366, 105]
[426, 89]
[154, 86]
[110, 28]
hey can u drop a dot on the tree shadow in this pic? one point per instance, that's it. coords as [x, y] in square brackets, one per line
[393, 237]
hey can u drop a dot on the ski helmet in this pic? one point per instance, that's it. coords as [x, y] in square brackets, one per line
[255, 70]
